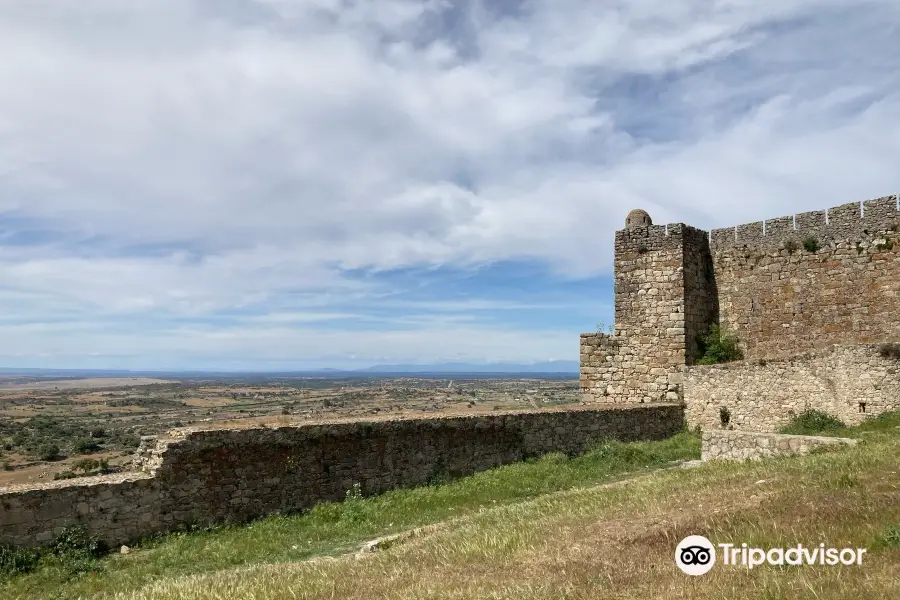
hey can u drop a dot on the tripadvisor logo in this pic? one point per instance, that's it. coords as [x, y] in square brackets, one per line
[696, 555]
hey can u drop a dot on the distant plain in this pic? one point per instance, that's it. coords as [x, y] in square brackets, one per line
[65, 427]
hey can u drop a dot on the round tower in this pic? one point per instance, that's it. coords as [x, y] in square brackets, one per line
[638, 218]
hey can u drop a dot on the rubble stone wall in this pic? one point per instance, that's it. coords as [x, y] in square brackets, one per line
[784, 286]
[782, 298]
[206, 477]
[745, 445]
[763, 395]
[664, 296]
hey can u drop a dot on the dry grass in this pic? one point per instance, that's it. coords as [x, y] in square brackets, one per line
[339, 528]
[618, 541]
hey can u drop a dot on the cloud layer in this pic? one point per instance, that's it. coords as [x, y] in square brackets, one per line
[189, 182]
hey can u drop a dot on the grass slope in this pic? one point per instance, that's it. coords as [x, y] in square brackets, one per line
[618, 541]
[534, 531]
[336, 528]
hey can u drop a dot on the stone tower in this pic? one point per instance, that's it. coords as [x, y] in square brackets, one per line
[665, 295]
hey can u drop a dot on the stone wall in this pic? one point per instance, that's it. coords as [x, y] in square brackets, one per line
[701, 307]
[745, 445]
[782, 301]
[758, 281]
[649, 293]
[663, 296]
[217, 476]
[762, 395]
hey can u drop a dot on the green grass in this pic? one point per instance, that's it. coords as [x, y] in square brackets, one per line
[813, 422]
[336, 528]
[618, 541]
[541, 529]
[889, 537]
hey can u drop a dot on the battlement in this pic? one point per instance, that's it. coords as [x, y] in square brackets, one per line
[655, 237]
[758, 281]
[855, 221]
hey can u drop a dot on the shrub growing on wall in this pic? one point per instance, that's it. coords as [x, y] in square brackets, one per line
[724, 416]
[718, 346]
[890, 351]
[791, 245]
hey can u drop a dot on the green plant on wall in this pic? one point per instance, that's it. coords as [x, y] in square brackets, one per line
[718, 346]
[601, 326]
[791, 245]
[812, 422]
[889, 351]
[811, 244]
[724, 416]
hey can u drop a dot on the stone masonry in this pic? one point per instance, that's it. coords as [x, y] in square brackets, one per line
[664, 290]
[783, 300]
[848, 382]
[208, 477]
[789, 286]
[743, 445]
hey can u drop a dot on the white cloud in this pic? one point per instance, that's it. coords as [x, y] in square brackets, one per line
[263, 146]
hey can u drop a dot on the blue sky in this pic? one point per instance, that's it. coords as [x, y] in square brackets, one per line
[270, 184]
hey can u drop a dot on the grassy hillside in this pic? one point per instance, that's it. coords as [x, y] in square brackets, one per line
[336, 528]
[545, 530]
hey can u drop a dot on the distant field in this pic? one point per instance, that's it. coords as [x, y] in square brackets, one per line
[49, 427]
[79, 384]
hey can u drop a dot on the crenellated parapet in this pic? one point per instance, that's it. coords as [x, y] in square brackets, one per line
[782, 285]
[855, 221]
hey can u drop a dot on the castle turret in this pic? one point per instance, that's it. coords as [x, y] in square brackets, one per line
[664, 297]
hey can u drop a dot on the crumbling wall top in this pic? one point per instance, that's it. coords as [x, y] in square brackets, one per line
[854, 221]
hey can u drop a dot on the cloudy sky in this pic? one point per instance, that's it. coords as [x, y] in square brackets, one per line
[274, 184]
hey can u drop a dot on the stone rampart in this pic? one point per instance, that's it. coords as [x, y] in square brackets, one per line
[784, 286]
[664, 297]
[746, 445]
[854, 220]
[205, 477]
[794, 283]
[848, 382]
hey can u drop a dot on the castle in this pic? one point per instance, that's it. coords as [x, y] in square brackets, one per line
[813, 298]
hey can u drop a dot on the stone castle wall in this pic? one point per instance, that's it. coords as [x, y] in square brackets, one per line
[219, 476]
[757, 280]
[782, 302]
[662, 287]
[701, 307]
[763, 395]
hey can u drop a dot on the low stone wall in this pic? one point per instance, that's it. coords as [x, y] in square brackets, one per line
[205, 477]
[763, 395]
[747, 445]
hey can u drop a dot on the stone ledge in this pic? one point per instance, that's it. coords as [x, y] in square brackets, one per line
[725, 444]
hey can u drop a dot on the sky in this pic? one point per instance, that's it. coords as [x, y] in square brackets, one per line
[287, 184]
